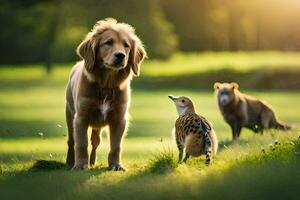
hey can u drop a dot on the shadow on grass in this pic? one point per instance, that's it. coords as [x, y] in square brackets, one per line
[31, 128]
[44, 184]
[275, 79]
[50, 165]
[260, 79]
[7, 85]
[47, 165]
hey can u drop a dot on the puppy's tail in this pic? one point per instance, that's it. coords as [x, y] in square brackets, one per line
[282, 126]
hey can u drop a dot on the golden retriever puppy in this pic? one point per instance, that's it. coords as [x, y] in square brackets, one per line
[98, 91]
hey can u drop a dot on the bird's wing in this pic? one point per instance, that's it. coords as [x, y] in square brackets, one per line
[205, 124]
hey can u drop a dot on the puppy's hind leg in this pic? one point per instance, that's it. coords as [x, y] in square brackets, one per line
[70, 154]
[95, 140]
[81, 143]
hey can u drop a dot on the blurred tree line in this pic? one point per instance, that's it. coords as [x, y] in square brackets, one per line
[46, 31]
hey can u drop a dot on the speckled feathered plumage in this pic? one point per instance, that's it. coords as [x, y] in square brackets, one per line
[193, 132]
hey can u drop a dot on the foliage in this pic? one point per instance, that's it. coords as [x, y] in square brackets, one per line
[163, 162]
[44, 31]
[235, 24]
[50, 30]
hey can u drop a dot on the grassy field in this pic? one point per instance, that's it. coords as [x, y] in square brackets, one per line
[32, 127]
[203, 62]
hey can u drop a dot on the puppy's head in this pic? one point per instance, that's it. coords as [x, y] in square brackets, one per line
[112, 45]
[225, 92]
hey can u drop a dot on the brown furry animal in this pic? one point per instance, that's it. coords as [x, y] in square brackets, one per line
[98, 92]
[240, 110]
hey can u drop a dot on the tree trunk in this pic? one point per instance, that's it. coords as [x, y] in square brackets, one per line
[50, 37]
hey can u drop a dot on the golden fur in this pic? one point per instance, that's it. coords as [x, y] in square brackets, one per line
[98, 91]
[240, 110]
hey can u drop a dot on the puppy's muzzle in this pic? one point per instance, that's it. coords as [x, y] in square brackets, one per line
[119, 58]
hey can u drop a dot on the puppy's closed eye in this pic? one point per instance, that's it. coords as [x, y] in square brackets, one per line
[126, 45]
[109, 42]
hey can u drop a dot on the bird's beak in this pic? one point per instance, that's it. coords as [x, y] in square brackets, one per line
[172, 97]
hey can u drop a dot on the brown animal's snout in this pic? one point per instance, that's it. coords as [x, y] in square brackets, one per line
[224, 97]
[223, 101]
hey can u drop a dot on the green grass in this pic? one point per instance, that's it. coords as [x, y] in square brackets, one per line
[163, 162]
[242, 61]
[32, 127]
[271, 175]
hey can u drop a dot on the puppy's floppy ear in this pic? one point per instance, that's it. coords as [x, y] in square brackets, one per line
[217, 85]
[136, 57]
[86, 51]
[234, 85]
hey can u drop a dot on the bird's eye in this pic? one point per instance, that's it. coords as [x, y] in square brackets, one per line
[183, 101]
[109, 42]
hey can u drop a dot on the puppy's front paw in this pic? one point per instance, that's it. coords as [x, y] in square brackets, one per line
[116, 167]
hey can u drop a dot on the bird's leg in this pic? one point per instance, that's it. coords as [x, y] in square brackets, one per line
[208, 157]
[186, 157]
[207, 149]
[180, 149]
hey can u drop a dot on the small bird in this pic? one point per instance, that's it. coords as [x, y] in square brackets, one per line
[193, 132]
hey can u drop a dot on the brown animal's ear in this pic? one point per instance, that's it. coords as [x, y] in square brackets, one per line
[136, 57]
[234, 85]
[86, 51]
[217, 85]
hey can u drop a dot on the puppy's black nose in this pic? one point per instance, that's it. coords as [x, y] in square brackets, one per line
[119, 56]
